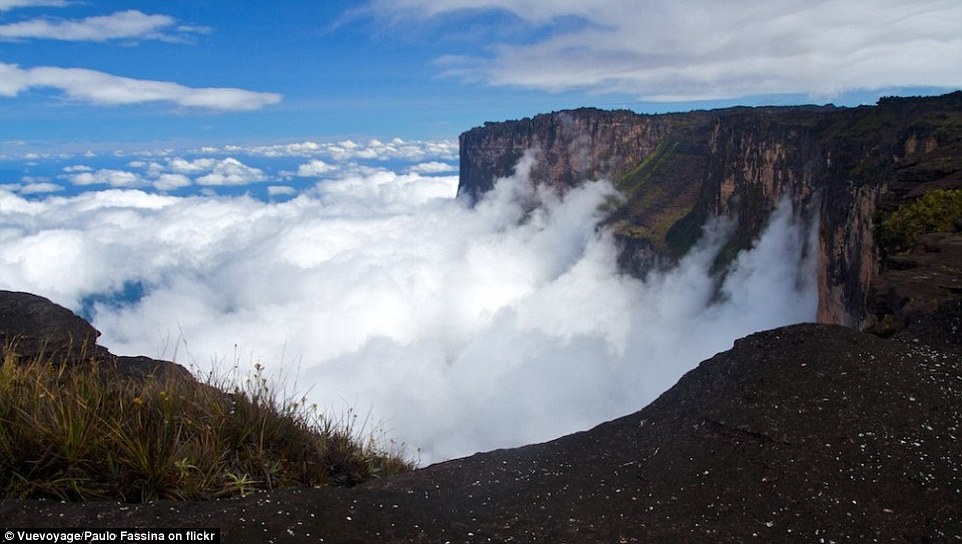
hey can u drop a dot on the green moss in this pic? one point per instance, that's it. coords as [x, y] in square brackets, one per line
[937, 211]
[659, 194]
[640, 177]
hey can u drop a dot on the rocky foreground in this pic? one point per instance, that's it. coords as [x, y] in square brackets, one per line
[808, 433]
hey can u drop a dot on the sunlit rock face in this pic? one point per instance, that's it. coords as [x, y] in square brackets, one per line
[840, 167]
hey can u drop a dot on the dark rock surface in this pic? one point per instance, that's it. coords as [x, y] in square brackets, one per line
[33, 327]
[809, 433]
[916, 293]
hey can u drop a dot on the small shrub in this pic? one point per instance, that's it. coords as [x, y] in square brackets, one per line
[936, 211]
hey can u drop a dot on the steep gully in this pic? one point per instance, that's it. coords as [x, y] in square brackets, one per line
[841, 167]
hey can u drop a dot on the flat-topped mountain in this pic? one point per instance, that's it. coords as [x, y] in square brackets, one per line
[847, 168]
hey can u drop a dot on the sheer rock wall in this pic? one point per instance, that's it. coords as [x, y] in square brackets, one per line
[841, 167]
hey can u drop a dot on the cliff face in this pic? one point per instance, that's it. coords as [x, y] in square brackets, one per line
[840, 166]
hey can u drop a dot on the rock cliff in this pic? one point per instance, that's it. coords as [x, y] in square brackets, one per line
[842, 167]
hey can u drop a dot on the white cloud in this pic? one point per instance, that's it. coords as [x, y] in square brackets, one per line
[299, 149]
[40, 188]
[176, 172]
[463, 329]
[122, 25]
[184, 166]
[281, 190]
[107, 89]
[410, 150]
[315, 168]
[231, 171]
[106, 176]
[433, 167]
[667, 50]
[169, 182]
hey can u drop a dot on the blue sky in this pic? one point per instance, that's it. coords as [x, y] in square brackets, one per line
[434, 68]
[314, 69]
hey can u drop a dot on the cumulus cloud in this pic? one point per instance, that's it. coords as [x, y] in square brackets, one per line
[170, 170]
[106, 176]
[698, 49]
[231, 171]
[169, 182]
[433, 167]
[397, 148]
[463, 329]
[41, 187]
[280, 190]
[122, 25]
[30, 185]
[177, 172]
[168, 174]
[297, 149]
[106, 89]
[315, 168]
[184, 166]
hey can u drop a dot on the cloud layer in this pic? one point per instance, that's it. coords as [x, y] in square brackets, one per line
[396, 148]
[699, 49]
[184, 170]
[462, 329]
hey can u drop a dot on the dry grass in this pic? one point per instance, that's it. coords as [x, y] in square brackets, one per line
[81, 432]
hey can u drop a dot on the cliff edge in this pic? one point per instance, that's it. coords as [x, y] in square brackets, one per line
[807, 433]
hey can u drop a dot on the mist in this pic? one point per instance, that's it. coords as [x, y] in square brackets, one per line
[455, 328]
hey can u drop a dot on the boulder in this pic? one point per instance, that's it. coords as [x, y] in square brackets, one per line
[35, 328]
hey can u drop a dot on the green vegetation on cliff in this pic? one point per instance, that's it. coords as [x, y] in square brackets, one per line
[936, 211]
[658, 195]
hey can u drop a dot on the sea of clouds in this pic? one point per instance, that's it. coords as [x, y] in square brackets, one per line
[456, 328]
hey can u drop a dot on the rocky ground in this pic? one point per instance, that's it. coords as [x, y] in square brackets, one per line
[809, 433]
[917, 295]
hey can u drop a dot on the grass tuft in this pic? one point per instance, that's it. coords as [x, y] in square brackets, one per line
[83, 432]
